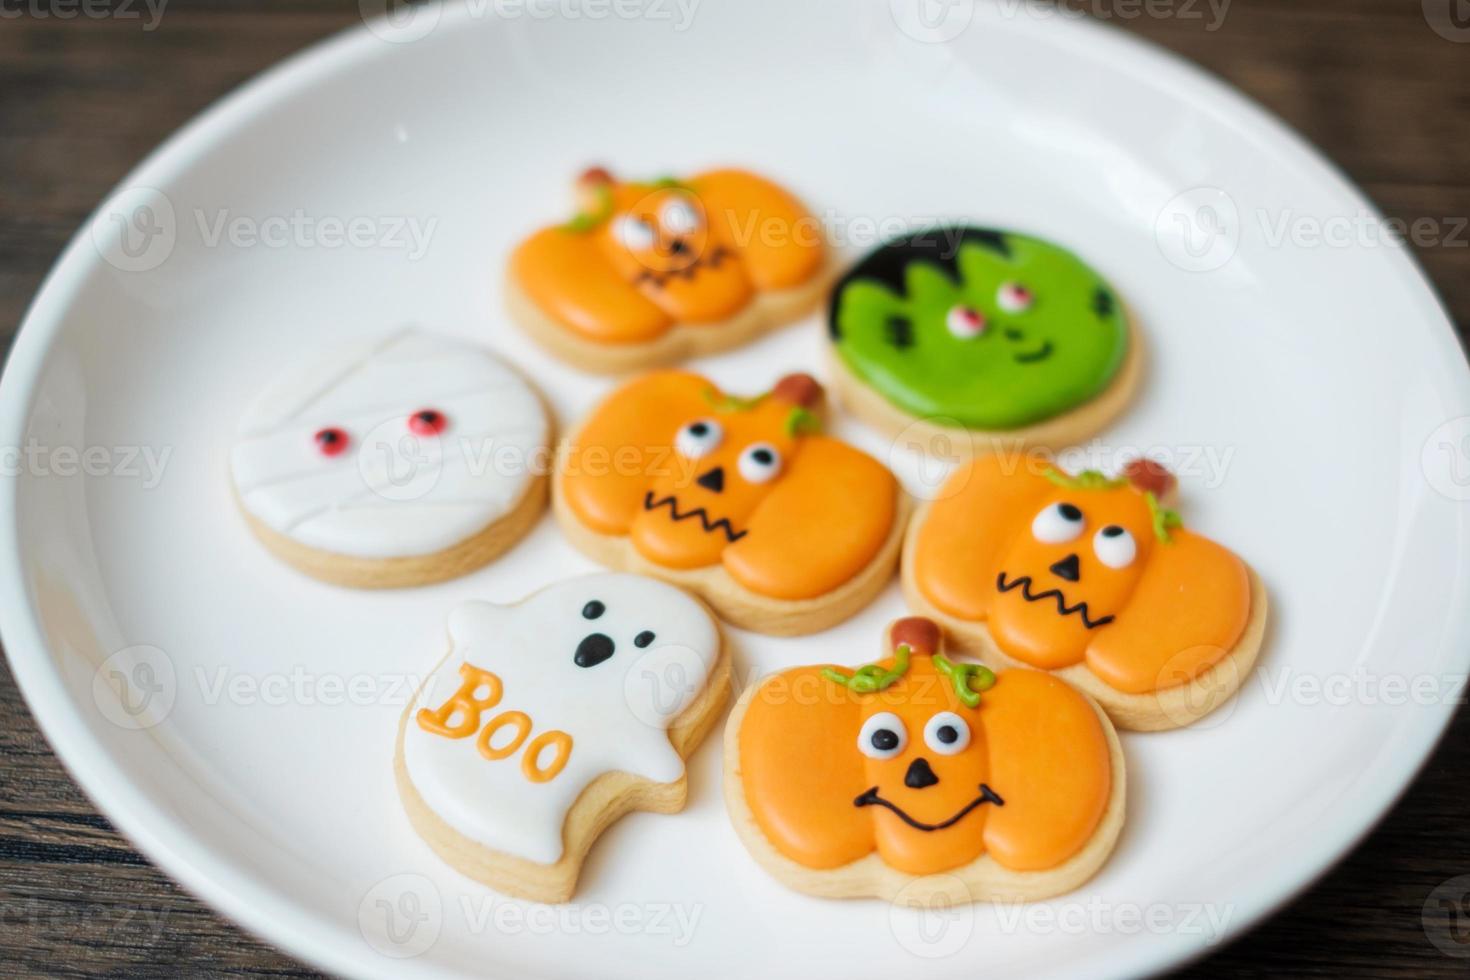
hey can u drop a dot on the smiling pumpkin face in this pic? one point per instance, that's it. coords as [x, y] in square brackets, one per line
[642, 258]
[695, 478]
[1067, 570]
[929, 762]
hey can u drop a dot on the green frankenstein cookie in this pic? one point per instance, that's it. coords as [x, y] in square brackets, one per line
[994, 330]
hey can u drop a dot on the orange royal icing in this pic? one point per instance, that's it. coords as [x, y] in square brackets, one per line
[996, 548]
[459, 717]
[796, 530]
[641, 258]
[1037, 761]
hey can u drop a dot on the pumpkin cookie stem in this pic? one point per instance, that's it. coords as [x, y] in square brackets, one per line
[873, 677]
[961, 675]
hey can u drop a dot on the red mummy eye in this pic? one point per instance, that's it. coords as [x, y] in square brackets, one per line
[330, 441]
[427, 422]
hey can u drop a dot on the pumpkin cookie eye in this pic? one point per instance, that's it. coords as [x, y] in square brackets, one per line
[634, 234]
[947, 733]
[760, 462]
[1114, 546]
[1012, 297]
[883, 736]
[1057, 524]
[679, 217]
[699, 438]
[965, 322]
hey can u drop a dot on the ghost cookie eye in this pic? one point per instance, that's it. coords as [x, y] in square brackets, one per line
[593, 609]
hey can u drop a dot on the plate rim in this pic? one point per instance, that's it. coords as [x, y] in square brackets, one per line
[271, 914]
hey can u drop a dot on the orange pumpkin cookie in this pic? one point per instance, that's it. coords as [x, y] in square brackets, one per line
[1091, 578]
[653, 273]
[923, 776]
[781, 529]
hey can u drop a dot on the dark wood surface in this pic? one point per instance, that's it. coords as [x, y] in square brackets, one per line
[82, 100]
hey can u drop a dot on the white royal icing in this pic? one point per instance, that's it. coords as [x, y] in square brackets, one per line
[391, 493]
[617, 712]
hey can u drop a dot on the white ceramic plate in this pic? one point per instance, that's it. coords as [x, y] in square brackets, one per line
[1308, 393]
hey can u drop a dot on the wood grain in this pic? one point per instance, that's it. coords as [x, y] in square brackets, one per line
[83, 100]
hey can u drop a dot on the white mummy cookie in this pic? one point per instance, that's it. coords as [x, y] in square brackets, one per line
[551, 718]
[402, 460]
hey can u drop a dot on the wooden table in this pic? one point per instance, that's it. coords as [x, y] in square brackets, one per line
[82, 100]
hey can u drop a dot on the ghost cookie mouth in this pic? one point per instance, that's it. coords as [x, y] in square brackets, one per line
[872, 798]
[1024, 583]
[650, 503]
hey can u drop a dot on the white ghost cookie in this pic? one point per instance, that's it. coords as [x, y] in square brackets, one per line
[551, 718]
[398, 461]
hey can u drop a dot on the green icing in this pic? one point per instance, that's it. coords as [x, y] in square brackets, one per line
[1165, 520]
[969, 680]
[888, 321]
[873, 677]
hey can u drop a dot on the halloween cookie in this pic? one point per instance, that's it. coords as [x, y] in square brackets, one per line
[1091, 578]
[397, 461]
[981, 338]
[782, 529]
[653, 273]
[923, 775]
[551, 718]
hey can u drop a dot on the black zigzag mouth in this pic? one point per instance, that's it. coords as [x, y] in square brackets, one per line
[675, 514]
[871, 798]
[658, 280]
[1024, 583]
